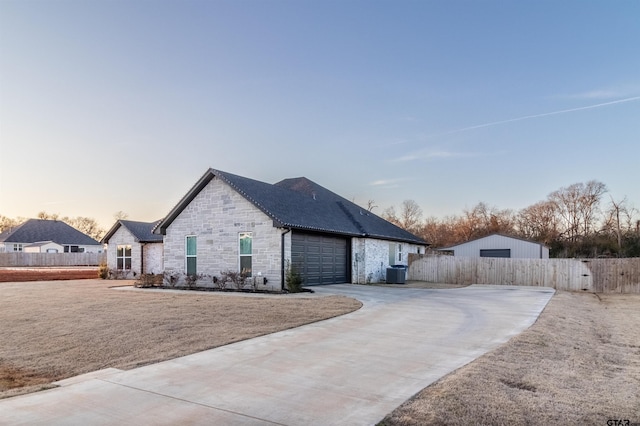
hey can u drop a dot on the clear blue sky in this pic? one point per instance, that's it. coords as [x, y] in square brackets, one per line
[123, 105]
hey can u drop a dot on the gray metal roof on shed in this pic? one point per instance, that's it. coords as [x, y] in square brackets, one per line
[491, 235]
[37, 230]
[141, 231]
[302, 204]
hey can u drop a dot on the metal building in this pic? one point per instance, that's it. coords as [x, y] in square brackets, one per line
[498, 245]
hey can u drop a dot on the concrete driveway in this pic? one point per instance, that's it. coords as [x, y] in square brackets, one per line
[350, 370]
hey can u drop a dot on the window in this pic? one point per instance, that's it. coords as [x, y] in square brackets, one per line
[74, 249]
[246, 243]
[17, 247]
[191, 255]
[395, 254]
[495, 253]
[123, 257]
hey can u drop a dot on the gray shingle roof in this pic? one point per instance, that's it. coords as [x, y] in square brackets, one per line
[300, 203]
[37, 230]
[141, 231]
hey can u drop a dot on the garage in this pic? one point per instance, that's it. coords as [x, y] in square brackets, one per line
[320, 258]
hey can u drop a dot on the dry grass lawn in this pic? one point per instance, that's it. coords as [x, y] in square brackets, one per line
[578, 364]
[58, 329]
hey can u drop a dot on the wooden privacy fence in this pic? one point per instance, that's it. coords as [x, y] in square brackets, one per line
[51, 259]
[595, 275]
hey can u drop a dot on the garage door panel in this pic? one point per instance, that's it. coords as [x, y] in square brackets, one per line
[321, 259]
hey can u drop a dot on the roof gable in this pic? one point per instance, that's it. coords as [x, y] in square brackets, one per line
[36, 230]
[299, 203]
[141, 231]
[496, 234]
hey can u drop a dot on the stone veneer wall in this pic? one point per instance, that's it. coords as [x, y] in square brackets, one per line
[153, 253]
[216, 217]
[370, 258]
[123, 237]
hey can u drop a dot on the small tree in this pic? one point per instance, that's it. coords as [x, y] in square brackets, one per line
[293, 279]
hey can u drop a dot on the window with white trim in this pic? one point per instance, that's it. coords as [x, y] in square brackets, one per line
[395, 254]
[17, 247]
[123, 257]
[191, 254]
[246, 252]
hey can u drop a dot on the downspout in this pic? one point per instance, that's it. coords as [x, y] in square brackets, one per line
[282, 266]
[142, 258]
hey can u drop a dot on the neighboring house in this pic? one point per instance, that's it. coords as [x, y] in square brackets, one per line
[67, 238]
[133, 248]
[43, 247]
[498, 245]
[228, 222]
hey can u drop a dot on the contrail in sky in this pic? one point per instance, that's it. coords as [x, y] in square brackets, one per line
[527, 117]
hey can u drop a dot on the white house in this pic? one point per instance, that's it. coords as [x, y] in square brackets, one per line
[43, 247]
[67, 239]
[228, 222]
[498, 245]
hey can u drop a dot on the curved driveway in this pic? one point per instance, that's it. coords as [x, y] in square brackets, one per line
[349, 370]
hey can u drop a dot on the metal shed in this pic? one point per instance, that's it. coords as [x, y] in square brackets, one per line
[498, 245]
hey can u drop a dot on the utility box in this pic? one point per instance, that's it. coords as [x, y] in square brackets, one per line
[397, 274]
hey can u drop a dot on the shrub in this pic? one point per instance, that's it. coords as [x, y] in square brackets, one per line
[238, 279]
[171, 278]
[149, 280]
[103, 271]
[219, 283]
[292, 278]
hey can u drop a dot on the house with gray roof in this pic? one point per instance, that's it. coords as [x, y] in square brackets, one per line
[34, 233]
[229, 222]
[134, 249]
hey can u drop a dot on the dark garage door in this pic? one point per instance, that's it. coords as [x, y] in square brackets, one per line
[320, 259]
[495, 253]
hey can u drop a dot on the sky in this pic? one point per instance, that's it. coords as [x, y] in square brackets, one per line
[109, 106]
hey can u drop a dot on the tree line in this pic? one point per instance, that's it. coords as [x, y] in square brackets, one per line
[573, 221]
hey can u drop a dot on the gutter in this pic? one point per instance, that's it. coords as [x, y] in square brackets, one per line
[282, 257]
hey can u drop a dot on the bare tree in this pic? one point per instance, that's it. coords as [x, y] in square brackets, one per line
[7, 223]
[371, 204]
[86, 225]
[620, 219]
[120, 215]
[539, 222]
[578, 207]
[47, 216]
[410, 215]
[390, 214]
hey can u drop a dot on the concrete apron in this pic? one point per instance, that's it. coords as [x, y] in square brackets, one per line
[351, 370]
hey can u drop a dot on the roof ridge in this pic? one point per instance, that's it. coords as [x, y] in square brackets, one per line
[351, 218]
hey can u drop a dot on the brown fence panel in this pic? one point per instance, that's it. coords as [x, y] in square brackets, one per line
[598, 275]
[22, 259]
